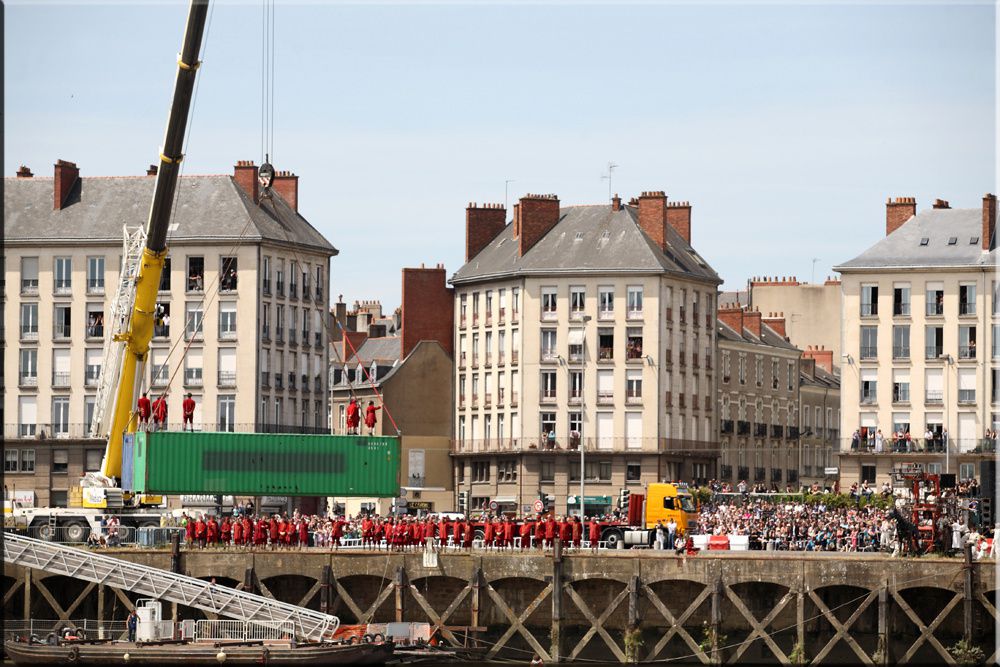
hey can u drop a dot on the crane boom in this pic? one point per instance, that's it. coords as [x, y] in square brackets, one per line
[140, 330]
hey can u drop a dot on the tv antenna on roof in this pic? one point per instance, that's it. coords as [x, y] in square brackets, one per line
[611, 168]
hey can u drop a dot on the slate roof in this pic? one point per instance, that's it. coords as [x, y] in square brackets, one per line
[768, 336]
[381, 350]
[821, 379]
[209, 208]
[903, 248]
[593, 239]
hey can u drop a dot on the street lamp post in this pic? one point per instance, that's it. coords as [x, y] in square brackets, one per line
[583, 411]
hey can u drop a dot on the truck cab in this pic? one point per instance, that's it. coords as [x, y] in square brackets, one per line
[671, 501]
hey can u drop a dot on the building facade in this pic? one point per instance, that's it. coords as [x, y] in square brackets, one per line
[811, 310]
[819, 425]
[921, 343]
[759, 435]
[410, 374]
[585, 348]
[240, 321]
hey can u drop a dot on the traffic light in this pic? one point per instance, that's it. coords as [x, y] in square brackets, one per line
[463, 502]
[623, 497]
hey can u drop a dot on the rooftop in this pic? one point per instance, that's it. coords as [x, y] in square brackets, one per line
[209, 208]
[936, 237]
[587, 239]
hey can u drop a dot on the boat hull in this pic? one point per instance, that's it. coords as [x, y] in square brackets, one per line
[23, 653]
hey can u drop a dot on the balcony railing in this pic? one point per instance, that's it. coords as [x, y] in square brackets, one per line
[775, 474]
[279, 381]
[605, 397]
[292, 338]
[487, 400]
[575, 398]
[547, 396]
[742, 427]
[966, 307]
[92, 376]
[63, 286]
[726, 426]
[306, 341]
[726, 471]
[743, 473]
[760, 430]
[967, 351]
[901, 309]
[29, 287]
[934, 351]
[759, 474]
[935, 445]
[291, 380]
[934, 308]
[266, 287]
[193, 377]
[265, 379]
[869, 398]
[605, 354]
[549, 356]
[501, 316]
[29, 333]
[293, 291]
[513, 399]
[318, 383]
[793, 432]
[869, 352]
[60, 380]
[966, 395]
[95, 286]
[934, 396]
[633, 398]
[25, 380]
[900, 351]
[514, 356]
[61, 332]
[777, 431]
[304, 383]
[318, 339]
[569, 444]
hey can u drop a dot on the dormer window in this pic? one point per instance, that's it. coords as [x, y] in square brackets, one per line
[924, 241]
[953, 240]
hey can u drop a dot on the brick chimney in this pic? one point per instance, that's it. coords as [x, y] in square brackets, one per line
[535, 216]
[752, 320]
[245, 175]
[732, 316]
[66, 175]
[989, 221]
[356, 340]
[152, 171]
[823, 356]
[808, 366]
[482, 224]
[24, 172]
[777, 322]
[286, 184]
[898, 212]
[653, 216]
[616, 203]
[941, 203]
[428, 308]
[679, 217]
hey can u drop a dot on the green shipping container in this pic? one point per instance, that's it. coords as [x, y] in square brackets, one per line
[273, 464]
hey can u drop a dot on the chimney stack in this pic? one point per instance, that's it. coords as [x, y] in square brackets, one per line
[535, 216]
[152, 171]
[286, 184]
[898, 212]
[679, 217]
[653, 216]
[989, 221]
[732, 316]
[428, 310]
[616, 203]
[482, 225]
[66, 175]
[245, 175]
[777, 322]
[941, 203]
[24, 172]
[822, 356]
[751, 320]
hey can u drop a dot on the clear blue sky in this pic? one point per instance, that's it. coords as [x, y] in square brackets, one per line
[786, 126]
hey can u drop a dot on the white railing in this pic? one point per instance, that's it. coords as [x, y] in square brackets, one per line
[228, 630]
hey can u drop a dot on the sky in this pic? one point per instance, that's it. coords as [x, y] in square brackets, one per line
[785, 125]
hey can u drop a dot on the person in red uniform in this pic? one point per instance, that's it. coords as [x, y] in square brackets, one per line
[247, 531]
[145, 409]
[199, 532]
[378, 532]
[539, 533]
[488, 533]
[456, 534]
[226, 531]
[188, 529]
[594, 534]
[187, 407]
[260, 532]
[337, 532]
[273, 531]
[212, 531]
[303, 533]
[370, 419]
[442, 531]
[508, 533]
[366, 531]
[160, 413]
[237, 529]
[353, 417]
[282, 532]
[550, 531]
[565, 532]
[577, 532]
[467, 534]
[525, 533]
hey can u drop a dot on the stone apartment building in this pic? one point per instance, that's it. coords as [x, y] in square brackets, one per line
[759, 400]
[240, 320]
[410, 371]
[581, 329]
[811, 310]
[921, 342]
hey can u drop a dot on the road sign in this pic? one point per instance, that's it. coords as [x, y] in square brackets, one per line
[538, 506]
[494, 506]
[831, 471]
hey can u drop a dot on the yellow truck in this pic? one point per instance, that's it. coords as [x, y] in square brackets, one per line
[660, 503]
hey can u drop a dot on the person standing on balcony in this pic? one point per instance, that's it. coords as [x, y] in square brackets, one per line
[145, 409]
[160, 412]
[188, 409]
[370, 419]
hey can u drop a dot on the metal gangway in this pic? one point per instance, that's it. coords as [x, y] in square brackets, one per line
[159, 584]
